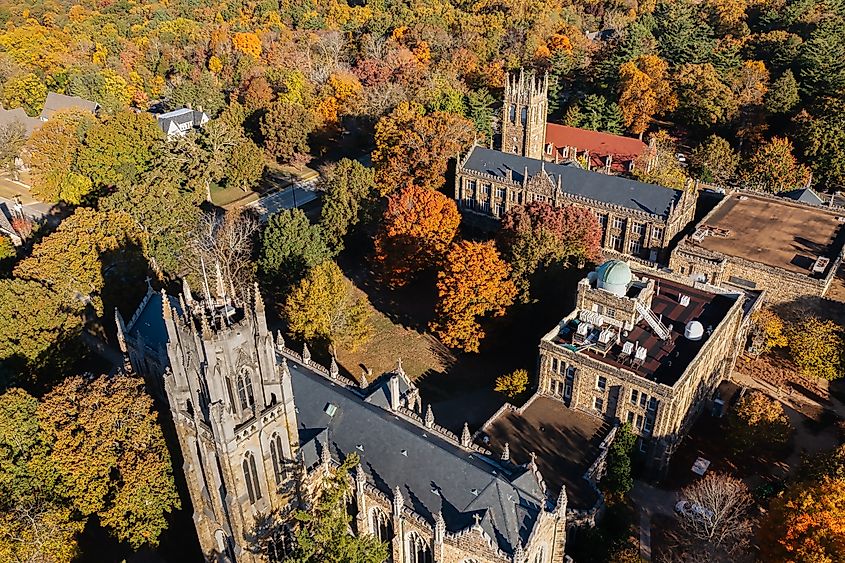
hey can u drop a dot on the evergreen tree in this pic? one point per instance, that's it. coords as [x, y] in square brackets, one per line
[783, 95]
[349, 188]
[619, 479]
[290, 245]
[682, 34]
[822, 62]
[324, 535]
[480, 111]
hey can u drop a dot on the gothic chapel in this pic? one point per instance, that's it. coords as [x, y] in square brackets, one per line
[259, 425]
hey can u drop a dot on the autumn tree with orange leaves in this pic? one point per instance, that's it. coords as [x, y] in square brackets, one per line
[806, 523]
[644, 91]
[474, 283]
[417, 228]
[414, 148]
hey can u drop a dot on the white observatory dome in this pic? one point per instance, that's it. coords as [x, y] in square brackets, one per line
[694, 331]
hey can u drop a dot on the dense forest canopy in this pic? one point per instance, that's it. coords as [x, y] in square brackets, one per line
[747, 71]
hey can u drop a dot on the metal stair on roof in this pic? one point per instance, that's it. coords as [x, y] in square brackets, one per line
[652, 320]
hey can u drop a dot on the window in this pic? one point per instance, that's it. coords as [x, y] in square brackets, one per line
[616, 243]
[523, 117]
[649, 425]
[598, 404]
[570, 373]
[230, 394]
[278, 459]
[652, 404]
[603, 221]
[418, 550]
[470, 193]
[513, 114]
[643, 446]
[601, 382]
[630, 417]
[618, 223]
[554, 365]
[253, 488]
[380, 525]
[245, 389]
[634, 396]
[610, 312]
[635, 247]
[742, 282]
[485, 189]
[657, 233]
[500, 193]
[498, 208]
[549, 148]
[638, 228]
[643, 399]
[639, 421]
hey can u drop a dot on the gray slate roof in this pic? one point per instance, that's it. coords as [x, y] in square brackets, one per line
[433, 474]
[150, 322]
[804, 195]
[57, 102]
[9, 116]
[605, 188]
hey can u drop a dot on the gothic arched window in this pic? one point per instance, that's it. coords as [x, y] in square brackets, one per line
[418, 550]
[245, 389]
[523, 116]
[251, 478]
[381, 525]
[513, 113]
[278, 459]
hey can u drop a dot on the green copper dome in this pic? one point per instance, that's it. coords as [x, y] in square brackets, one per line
[614, 275]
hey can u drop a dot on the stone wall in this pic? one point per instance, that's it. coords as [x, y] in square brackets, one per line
[780, 285]
[663, 424]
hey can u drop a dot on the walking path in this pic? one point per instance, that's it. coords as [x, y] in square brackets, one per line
[651, 502]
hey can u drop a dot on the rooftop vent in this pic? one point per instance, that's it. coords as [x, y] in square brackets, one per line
[405, 453]
[360, 447]
[683, 300]
[330, 409]
[474, 491]
[694, 331]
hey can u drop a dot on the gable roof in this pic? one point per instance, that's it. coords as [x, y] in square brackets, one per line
[58, 102]
[180, 117]
[9, 116]
[599, 144]
[804, 195]
[6, 221]
[433, 474]
[614, 190]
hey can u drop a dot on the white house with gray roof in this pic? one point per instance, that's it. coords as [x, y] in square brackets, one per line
[180, 121]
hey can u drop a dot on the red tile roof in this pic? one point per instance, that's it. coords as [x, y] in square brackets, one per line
[622, 149]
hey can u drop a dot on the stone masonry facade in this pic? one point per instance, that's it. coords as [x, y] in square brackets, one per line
[660, 414]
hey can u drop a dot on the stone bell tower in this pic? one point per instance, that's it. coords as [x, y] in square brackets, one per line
[524, 114]
[232, 403]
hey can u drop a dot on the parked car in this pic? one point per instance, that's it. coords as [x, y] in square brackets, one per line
[692, 510]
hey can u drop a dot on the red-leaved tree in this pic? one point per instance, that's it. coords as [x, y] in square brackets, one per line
[539, 235]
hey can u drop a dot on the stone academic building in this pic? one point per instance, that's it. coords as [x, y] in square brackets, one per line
[260, 425]
[644, 349]
[756, 241]
[637, 219]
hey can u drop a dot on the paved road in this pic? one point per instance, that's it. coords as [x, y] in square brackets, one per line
[287, 198]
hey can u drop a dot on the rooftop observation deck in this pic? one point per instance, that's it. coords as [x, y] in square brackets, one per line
[774, 232]
[663, 361]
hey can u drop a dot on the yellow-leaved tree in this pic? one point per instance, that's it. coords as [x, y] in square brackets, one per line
[818, 348]
[644, 91]
[323, 305]
[474, 283]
